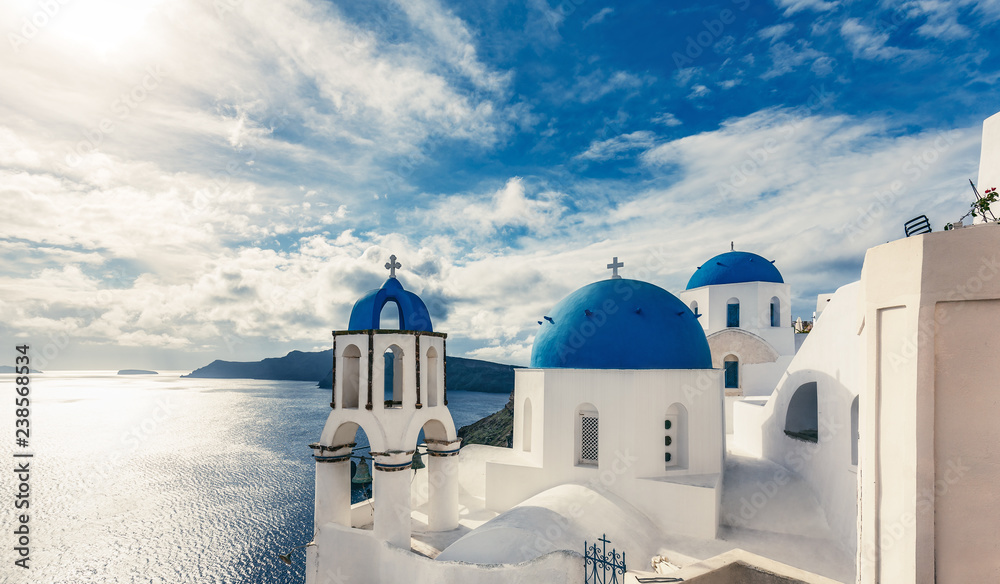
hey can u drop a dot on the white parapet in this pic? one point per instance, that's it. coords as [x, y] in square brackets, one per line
[930, 510]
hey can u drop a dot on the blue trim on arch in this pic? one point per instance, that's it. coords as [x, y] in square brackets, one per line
[735, 267]
[413, 315]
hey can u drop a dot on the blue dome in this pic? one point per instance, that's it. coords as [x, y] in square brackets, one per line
[621, 324]
[413, 315]
[735, 267]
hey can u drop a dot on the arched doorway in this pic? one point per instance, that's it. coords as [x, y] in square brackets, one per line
[802, 417]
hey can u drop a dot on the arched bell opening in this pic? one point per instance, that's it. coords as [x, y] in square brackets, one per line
[393, 374]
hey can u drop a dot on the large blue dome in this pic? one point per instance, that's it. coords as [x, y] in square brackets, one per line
[621, 324]
[367, 311]
[735, 267]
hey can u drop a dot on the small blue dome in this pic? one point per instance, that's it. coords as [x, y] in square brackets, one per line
[621, 324]
[735, 267]
[413, 315]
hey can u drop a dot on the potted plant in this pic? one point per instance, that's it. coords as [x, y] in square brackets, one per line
[979, 208]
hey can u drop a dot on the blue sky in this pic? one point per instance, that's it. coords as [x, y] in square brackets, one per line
[183, 181]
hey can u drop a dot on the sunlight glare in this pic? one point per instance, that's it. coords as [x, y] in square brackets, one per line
[103, 24]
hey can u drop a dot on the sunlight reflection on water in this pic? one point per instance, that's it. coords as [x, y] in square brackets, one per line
[166, 480]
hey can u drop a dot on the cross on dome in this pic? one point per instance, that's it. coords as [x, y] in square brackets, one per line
[391, 265]
[613, 266]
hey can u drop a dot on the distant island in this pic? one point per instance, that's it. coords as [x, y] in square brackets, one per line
[136, 372]
[9, 369]
[462, 374]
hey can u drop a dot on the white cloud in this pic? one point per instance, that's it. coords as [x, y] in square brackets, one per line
[480, 218]
[454, 42]
[867, 43]
[793, 6]
[786, 58]
[667, 119]
[698, 90]
[599, 17]
[941, 17]
[183, 228]
[618, 146]
[764, 180]
[597, 84]
[775, 32]
[773, 171]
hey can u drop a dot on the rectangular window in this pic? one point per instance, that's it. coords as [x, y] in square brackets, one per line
[588, 438]
[732, 374]
[733, 315]
[774, 316]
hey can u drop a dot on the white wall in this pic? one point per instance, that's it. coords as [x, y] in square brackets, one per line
[930, 409]
[965, 422]
[632, 405]
[352, 555]
[755, 310]
[989, 161]
[821, 302]
[831, 357]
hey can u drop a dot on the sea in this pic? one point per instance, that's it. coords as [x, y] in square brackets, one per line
[166, 480]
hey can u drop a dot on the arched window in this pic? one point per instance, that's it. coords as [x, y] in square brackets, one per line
[802, 418]
[350, 377]
[587, 434]
[526, 426]
[393, 377]
[733, 312]
[433, 377]
[775, 311]
[854, 431]
[675, 437]
[389, 318]
[361, 491]
[694, 306]
[731, 367]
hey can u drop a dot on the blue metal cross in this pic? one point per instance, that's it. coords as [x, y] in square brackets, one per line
[391, 265]
[613, 266]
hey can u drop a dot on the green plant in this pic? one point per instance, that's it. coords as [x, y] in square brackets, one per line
[981, 206]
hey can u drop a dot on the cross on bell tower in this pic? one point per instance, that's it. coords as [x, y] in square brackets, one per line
[391, 265]
[613, 266]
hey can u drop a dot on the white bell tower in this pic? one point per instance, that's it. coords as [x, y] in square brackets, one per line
[391, 384]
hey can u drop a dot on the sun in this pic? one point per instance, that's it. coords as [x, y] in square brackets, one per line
[104, 25]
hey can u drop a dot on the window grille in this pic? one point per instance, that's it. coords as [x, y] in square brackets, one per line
[588, 438]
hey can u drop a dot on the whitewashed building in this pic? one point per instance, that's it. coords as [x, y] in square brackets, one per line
[621, 389]
[865, 456]
[744, 306]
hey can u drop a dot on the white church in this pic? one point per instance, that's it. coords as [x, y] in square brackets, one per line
[691, 437]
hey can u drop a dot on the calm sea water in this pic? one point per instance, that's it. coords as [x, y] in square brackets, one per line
[166, 480]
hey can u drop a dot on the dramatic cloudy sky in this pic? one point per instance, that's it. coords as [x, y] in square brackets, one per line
[185, 180]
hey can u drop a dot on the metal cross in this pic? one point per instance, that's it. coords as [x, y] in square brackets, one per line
[613, 266]
[391, 265]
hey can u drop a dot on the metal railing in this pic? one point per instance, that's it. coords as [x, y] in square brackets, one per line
[598, 562]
